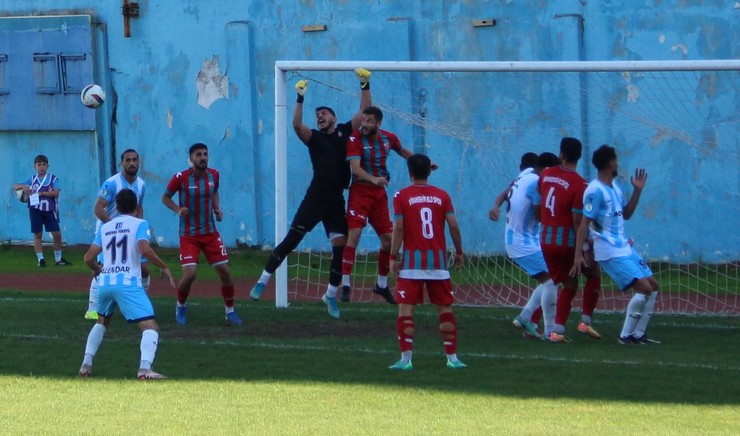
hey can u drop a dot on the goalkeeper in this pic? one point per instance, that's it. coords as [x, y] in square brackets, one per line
[324, 199]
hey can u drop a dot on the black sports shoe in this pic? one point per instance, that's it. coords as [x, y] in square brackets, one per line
[42, 263]
[345, 293]
[647, 341]
[629, 340]
[385, 293]
[63, 262]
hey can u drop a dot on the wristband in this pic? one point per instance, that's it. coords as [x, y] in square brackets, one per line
[365, 85]
[459, 252]
[299, 99]
[393, 257]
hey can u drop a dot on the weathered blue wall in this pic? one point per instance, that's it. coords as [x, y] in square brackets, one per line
[153, 106]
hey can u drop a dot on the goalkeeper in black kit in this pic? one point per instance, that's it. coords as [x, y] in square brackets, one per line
[324, 199]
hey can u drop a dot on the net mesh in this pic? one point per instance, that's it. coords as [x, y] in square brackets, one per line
[681, 126]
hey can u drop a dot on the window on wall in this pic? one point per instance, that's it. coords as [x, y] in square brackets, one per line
[46, 73]
[3, 68]
[45, 62]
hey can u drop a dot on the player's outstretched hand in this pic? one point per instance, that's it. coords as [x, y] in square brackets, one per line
[395, 267]
[459, 260]
[166, 273]
[219, 214]
[301, 86]
[578, 263]
[363, 75]
[640, 178]
[494, 214]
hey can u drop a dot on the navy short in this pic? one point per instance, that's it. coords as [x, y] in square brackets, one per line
[41, 220]
[329, 212]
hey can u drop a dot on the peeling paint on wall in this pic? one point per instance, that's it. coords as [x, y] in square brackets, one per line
[211, 84]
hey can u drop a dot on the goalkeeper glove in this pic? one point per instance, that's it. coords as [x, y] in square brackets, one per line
[364, 76]
[300, 88]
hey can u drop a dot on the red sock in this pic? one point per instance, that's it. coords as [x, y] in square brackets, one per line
[383, 262]
[536, 316]
[348, 260]
[591, 295]
[181, 296]
[405, 341]
[565, 301]
[449, 338]
[228, 293]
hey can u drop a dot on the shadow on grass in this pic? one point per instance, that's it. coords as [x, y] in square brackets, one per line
[45, 334]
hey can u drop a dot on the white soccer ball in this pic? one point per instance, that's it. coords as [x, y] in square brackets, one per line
[92, 96]
[22, 196]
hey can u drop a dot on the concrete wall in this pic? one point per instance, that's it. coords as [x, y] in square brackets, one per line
[153, 78]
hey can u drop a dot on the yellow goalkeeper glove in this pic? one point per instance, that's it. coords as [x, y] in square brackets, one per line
[300, 88]
[364, 76]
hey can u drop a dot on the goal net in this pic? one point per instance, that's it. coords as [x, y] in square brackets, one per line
[679, 120]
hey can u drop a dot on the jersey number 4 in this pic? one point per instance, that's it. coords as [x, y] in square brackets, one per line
[550, 201]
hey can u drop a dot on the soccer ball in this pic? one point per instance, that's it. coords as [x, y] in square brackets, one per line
[92, 96]
[22, 196]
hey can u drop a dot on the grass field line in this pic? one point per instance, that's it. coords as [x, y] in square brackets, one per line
[492, 356]
[659, 320]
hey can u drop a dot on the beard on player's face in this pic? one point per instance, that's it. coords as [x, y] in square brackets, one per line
[202, 164]
[132, 170]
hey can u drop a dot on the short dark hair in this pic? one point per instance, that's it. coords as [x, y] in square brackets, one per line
[571, 148]
[529, 160]
[547, 160]
[129, 150]
[374, 111]
[197, 146]
[40, 158]
[326, 108]
[602, 156]
[126, 201]
[420, 166]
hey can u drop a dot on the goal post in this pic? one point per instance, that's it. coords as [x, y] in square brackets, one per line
[478, 117]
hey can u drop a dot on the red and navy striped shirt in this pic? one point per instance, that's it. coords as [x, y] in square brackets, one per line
[373, 152]
[195, 193]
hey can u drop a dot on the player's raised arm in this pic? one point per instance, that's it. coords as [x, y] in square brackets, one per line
[366, 99]
[302, 130]
[638, 183]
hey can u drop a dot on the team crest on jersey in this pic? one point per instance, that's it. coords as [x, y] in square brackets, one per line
[588, 207]
[103, 193]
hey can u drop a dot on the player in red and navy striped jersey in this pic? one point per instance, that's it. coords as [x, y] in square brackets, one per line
[367, 152]
[197, 189]
[561, 194]
[420, 214]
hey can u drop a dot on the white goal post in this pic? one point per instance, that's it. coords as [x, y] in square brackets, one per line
[282, 123]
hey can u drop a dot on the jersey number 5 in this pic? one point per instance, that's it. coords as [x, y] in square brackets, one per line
[550, 201]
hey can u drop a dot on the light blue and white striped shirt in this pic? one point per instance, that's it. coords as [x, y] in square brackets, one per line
[605, 206]
[522, 229]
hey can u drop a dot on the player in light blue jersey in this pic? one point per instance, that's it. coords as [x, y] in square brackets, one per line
[522, 238]
[604, 213]
[105, 210]
[123, 241]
